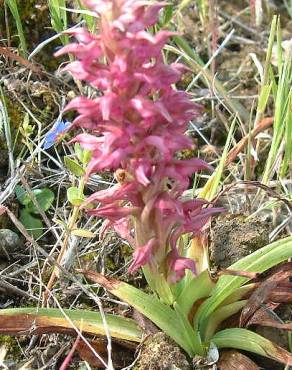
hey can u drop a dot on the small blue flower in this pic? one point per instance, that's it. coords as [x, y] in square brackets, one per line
[56, 133]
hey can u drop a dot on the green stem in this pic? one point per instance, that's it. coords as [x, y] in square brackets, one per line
[71, 225]
[76, 210]
[159, 285]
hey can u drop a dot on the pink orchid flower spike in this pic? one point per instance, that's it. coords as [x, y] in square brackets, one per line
[137, 125]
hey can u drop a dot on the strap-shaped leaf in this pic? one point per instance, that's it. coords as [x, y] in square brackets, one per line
[159, 313]
[249, 341]
[197, 288]
[259, 261]
[20, 321]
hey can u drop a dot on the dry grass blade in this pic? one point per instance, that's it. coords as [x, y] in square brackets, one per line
[24, 62]
[233, 153]
[248, 274]
[272, 193]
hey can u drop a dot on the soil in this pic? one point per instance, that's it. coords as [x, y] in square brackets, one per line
[159, 352]
[234, 237]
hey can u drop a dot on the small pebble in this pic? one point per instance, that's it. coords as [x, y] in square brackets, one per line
[9, 242]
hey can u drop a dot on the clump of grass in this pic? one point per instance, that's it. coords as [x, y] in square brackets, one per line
[275, 87]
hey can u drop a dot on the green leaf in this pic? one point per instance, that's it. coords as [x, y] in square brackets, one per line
[33, 225]
[87, 321]
[87, 154]
[44, 197]
[221, 314]
[78, 151]
[22, 196]
[192, 337]
[195, 289]
[74, 167]
[84, 155]
[159, 313]
[263, 98]
[249, 341]
[167, 15]
[259, 261]
[74, 196]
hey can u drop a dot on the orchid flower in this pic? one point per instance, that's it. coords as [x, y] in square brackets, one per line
[137, 125]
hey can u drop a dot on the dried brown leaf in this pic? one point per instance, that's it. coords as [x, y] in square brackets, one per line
[282, 294]
[262, 294]
[265, 316]
[106, 282]
[24, 62]
[121, 355]
[233, 360]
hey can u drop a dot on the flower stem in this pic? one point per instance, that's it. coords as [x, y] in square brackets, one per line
[71, 225]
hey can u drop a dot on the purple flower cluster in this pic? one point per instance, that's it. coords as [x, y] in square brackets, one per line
[136, 127]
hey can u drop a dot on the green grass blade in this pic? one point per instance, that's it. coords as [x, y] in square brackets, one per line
[249, 341]
[90, 20]
[196, 251]
[272, 35]
[281, 93]
[287, 160]
[12, 4]
[87, 321]
[211, 187]
[59, 17]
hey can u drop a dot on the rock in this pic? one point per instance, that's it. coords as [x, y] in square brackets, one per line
[159, 352]
[9, 242]
[234, 237]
